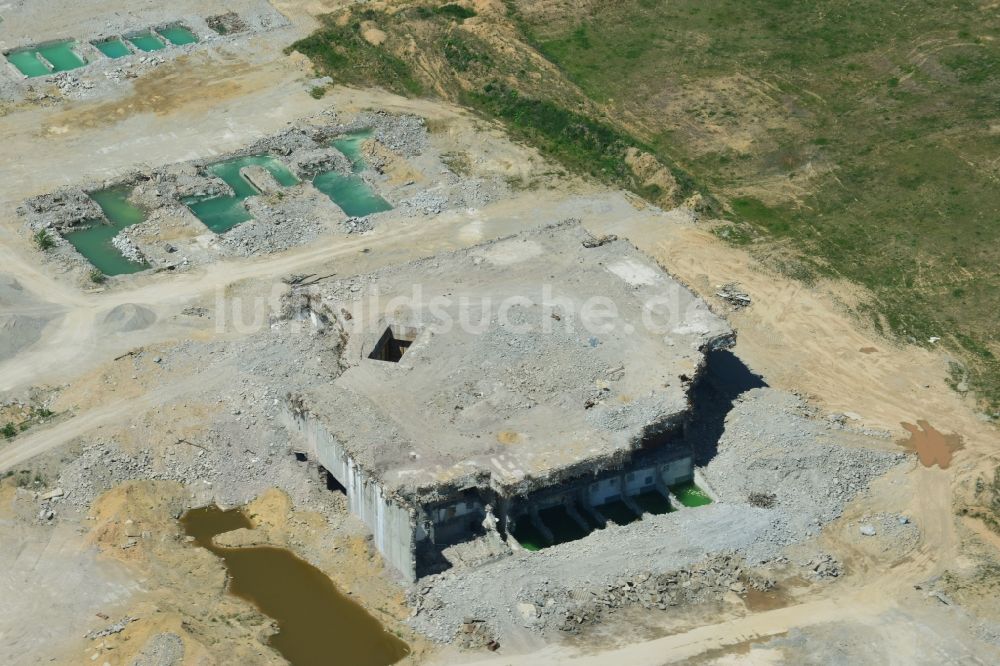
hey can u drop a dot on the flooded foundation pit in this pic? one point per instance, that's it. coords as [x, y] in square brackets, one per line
[222, 213]
[147, 41]
[177, 35]
[93, 240]
[61, 56]
[46, 59]
[316, 623]
[28, 63]
[113, 48]
[931, 446]
[352, 194]
[690, 495]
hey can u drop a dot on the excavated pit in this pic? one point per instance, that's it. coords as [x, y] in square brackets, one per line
[94, 239]
[314, 618]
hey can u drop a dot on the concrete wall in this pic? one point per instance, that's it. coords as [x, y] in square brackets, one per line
[677, 471]
[634, 481]
[393, 526]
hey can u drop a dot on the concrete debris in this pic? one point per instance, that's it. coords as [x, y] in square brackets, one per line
[52, 494]
[115, 628]
[124, 243]
[732, 294]
[598, 241]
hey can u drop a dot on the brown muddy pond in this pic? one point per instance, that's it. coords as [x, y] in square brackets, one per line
[931, 446]
[316, 623]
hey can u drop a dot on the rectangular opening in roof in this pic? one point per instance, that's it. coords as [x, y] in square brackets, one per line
[392, 345]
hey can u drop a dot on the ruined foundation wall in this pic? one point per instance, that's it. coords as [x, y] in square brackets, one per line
[392, 525]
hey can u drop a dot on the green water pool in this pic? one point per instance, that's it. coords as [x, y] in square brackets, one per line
[147, 41]
[350, 146]
[350, 193]
[28, 62]
[220, 214]
[61, 56]
[619, 512]
[690, 495]
[229, 171]
[113, 48]
[528, 535]
[653, 502]
[178, 35]
[93, 240]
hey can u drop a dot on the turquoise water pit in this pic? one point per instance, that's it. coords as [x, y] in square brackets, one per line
[222, 213]
[177, 35]
[46, 59]
[690, 495]
[147, 41]
[28, 63]
[113, 48]
[93, 240]
[351, 193]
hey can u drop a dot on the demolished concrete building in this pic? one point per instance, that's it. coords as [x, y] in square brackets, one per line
[543, 372]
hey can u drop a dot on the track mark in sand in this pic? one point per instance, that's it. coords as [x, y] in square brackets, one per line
[930, 445]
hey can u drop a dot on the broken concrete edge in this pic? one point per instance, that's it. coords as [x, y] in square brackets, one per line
[397, 513]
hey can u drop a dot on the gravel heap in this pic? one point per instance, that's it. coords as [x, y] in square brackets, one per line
[60, 210]
[811, 469]
[243, 449]
[771, 443]
[404, 135]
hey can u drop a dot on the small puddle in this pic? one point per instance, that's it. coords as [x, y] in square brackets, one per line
[690, 495]
[316, 623]
[778, 596]
[113, 48]
[177, 35]
[93, 240]
[220, 214]
[931, 446]
[147, 42]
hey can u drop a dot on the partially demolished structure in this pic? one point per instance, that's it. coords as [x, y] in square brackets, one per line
[537, 373]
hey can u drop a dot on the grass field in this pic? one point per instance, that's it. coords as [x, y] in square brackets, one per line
[861, 138]
[866, 133]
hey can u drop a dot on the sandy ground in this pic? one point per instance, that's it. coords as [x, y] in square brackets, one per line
[799, 338]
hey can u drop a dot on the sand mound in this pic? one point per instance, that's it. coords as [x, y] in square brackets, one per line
[17, 332]
[128, 317]
[12, 293]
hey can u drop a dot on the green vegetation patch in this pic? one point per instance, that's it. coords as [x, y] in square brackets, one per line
[340, 52]
[863, 135]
